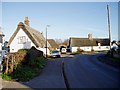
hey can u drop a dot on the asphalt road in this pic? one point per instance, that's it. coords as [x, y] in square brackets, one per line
[80, 71]
[85, 71]
[50, 77]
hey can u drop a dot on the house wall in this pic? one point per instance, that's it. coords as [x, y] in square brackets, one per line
[101, 48]
[15, 45]
[74, 49]
[44, 51]
[1, 42]
[88, 48]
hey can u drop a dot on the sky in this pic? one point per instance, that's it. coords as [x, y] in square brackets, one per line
[66, 19]
[119, 20]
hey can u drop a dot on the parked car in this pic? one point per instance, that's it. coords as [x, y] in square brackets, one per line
[63, 50]
[55, 53]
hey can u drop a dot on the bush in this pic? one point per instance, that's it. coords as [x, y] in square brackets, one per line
[30, 70]
[24, 73]
[32, 53]
[27, 72]
[37, 62]
[27, 64]
[79, 50]
[23, 51]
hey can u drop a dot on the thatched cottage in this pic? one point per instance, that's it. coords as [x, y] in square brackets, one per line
[25, 37]
[89, 44]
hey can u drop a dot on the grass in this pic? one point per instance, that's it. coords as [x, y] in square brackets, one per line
[113, 59]
[114, 62]
[75, 53]
[88, 52]
[6, 77]
[28, 71]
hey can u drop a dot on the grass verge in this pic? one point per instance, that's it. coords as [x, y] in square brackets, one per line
[114, 62]
[26, 72]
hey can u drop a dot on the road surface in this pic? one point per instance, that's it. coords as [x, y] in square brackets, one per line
[85, 71]
[79, 71]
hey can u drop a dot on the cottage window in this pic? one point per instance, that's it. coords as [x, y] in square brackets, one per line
[21, 39]
[107, 47]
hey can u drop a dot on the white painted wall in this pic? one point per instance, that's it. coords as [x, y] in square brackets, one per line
[15, 46]
[101, 48]
[44, 51]
[88, 48]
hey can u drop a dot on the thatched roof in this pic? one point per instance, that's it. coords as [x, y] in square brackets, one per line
[36, 37]
[77, 42]
[53, 43]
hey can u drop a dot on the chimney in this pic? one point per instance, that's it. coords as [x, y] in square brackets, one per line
[26, 21]
[90, 36]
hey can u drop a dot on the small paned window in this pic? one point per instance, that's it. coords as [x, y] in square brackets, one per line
[21, 39]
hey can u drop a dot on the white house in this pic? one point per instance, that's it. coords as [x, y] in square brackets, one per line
[25, 37]
[88, 44]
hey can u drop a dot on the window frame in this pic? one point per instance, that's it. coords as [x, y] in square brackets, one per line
[21, 39]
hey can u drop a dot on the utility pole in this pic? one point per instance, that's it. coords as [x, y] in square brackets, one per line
[108, 9]
[46, 39]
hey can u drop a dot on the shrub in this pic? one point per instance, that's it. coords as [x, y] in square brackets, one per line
[27, 64]
[38, 62]
[24, 73]
[79, 50]
[27, 72]
[23, 50]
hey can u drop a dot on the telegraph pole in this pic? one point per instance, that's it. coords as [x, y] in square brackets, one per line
[108, 10]
[46, 39]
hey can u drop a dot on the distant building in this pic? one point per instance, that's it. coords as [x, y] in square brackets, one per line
[88, 44]
[53, 44]
[1, 39]
[25, 37]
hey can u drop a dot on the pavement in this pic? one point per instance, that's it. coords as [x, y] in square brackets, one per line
[11, 84]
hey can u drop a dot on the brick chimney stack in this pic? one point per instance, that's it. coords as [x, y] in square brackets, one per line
[26, 21]
[90, 36]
